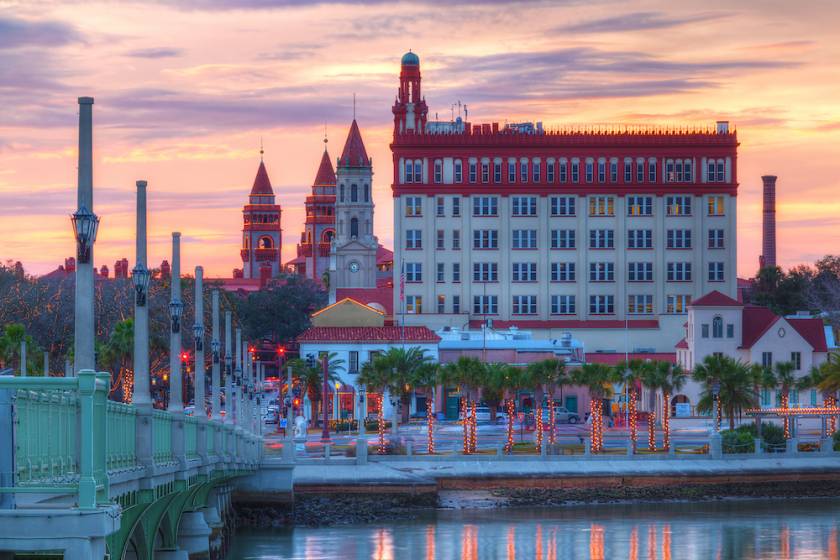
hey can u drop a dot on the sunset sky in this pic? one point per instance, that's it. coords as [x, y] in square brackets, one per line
[185, 90]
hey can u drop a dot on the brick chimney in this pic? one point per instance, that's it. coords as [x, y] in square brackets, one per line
[768, 230]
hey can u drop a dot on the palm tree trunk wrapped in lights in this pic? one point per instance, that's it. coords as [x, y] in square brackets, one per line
[666, 421]
[430, 420]
[380, 419]
[539, 428]
[510, 412]
[631, 408]
[784, 403]
[652, 429]
[552, 427]
[473, 429]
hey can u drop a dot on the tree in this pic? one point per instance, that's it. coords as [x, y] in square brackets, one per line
[10, 346]
[375, 379]
[598, 379]
[736, 385]
[672, 378]
[311, 378]
[281, 311]
[786, 380]
[631, 374]
[466, 373]
[402, 366]
[115, 357]
[427, 377]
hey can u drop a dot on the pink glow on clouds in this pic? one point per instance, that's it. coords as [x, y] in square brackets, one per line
[183, 96]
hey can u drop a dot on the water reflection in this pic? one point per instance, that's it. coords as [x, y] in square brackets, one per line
[723, 530]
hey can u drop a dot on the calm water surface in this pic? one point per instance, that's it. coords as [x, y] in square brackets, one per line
[800, 529]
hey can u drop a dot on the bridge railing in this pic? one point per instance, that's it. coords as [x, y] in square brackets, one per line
[162, 436]
[121, 436]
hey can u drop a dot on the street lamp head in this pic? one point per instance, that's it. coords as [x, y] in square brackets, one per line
[176, 308]
[337, 385]
[140, 277]
[198, 332]
[216, 346]
[85, 226]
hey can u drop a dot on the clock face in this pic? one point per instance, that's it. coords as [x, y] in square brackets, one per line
[354, 267]
[781, 332]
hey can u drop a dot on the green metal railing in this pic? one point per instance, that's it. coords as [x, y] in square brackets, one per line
[211, 439]
[191, 437]
[162, 436]
[121, 436]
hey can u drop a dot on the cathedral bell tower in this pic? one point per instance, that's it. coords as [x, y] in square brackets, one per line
[261, 233]
[410, 106]
[353, 251]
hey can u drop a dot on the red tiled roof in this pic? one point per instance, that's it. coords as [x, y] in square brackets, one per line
[681, 344]
[813, 331]
[755, 321]
[354, 153]
[262, 186]
[572, 324]
[384, 255]
[615, 358]
[716, 299]
[325, 175]
[383, 296]
[368, 334]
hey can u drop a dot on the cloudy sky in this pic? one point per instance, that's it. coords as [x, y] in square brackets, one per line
[185, 90]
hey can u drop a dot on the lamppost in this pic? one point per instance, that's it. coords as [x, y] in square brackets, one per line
[716, 396]
[360, 418]
[325, 433]
[199, 378]
[336, 411]
[215, 347]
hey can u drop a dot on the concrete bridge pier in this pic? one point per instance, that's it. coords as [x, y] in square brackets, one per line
[194, 535]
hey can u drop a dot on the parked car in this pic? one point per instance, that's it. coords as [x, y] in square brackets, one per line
[482, 414]
[562, 415]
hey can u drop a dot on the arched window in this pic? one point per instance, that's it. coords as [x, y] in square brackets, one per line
[341, 193]
[328, 236]
[354, 193]
[266, 243]
[247, 242]
[418, 171]
[717, 327]
[354, 228]
[409, 166]
[309, 237]
[367, 193]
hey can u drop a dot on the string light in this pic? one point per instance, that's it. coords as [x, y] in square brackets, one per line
[430, 418]
[539, 429]
[805, 411]
[666, 426]
[466, 421]
[631, 404]
[509, 444]
[652, 429]
[552, 428]
[718, 415]
[473, 429]
[381, 427]
[786, 419]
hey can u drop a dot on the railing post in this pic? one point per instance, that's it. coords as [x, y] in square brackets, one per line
[757, 446]
[7, 441]
[715, 446]
[87, 444]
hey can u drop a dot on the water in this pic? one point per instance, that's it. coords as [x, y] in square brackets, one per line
[736, 529]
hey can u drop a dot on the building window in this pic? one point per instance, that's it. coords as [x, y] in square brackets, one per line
[562, 206]
[414, 239]
[414, 304]
[456, 273]
[716, 272]
[590, 170]
[413, 206]
[563, 272]
[524, 305]
[716, 171]
[524, 239]
[575, 171]
[456, 304]
[640, 272]
[613, 171]
[524, 205]
[524, 272]
[511, 172]
[472, 172]
[767, 359]
[485, 272]
[441, 275]
[564, 165]
[354, 228]
[441, 207]
[651, 171]
[704, 330]
[459, 171]
[497, 171]
[456, 239]
[677, 303]
[441, 304]
[640, 171]
[678, 239]
[523, 171]
[418, 171]
[562, 239]
[456, 206]
[353, 365]
[602, 171]
[796, 360]
[601, 206]
[717, 327]
[730, 330]
[678, 205]
[639, 206]
[716, 206]
[409, 171]
[413, 272]
[640, 239]
[640, 304]
[602, 305]
[679, 272]
[535, 170]
[485, 305]
[440, 242]
[438, 171]
[341, 193]
[715, 239]
[628, 171]
[601, 272]
[485, 239]
[563, 305]
[601, 239]
[549, 171]
[485, 206]
[485, 172]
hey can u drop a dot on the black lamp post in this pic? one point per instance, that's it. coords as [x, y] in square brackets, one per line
[140, 277]
[198, 332]
[176, 308]
[85, 226]
[216, 347]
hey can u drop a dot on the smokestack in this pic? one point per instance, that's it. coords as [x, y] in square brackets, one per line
[768, 233]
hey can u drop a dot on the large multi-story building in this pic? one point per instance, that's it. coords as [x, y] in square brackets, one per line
[605, 231]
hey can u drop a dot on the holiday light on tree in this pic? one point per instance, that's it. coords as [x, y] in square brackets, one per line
[539, 433]
[631, 408]
[510, 411]
[473, 429]
[430, 419]
[666, 426]
[466, 421]
[381, 426]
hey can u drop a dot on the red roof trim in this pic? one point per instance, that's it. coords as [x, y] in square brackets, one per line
[716, 299]
[361, 335]
[813, 331]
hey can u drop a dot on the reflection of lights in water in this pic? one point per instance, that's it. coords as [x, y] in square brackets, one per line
[430, 542]
[666, 542]
[833, 553]
[634, 543]
[511, 543]
[469, 542]
[538, 543]
[383, 545]
[784, 542]
[551, 549]
[651, 542]
[596, 542]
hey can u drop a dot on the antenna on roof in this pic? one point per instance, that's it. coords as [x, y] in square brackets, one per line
[325, 137]
[465, 112]
[261, 149]
[354, 105]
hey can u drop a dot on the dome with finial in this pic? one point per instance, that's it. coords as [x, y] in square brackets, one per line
[410, 59]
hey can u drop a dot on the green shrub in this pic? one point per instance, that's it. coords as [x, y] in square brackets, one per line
[374, 426]
[742, 438]
[837, 440]
[737, 441]
[344, 425]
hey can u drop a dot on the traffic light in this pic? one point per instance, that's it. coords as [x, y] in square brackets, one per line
[185, 356]
[281, 351]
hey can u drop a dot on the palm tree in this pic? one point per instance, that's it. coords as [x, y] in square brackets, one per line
[652, 379]
[597, 378]
[375, 378]
[116, 355]
[403, 365]
[10, 342]
[494, 386]
[538, 376]
[466, 372]
[736, 385]
[786, 380]
[631, 373]
[672, 379]
[427, 377]
[311, 378]
[558, 377]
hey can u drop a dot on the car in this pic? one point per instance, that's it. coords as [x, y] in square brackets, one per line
[562, 415]
[482, 414]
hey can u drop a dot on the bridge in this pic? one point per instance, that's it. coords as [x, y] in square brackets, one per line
[92, 478]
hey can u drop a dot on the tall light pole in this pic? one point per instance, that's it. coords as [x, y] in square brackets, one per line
[229, 390]
[198, 332]
[216, 346]
[140, 278]
[85, 227]
[325, 400]
[237, 413]
[176, 308]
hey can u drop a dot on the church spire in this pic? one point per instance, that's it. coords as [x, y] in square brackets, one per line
[354, 153]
